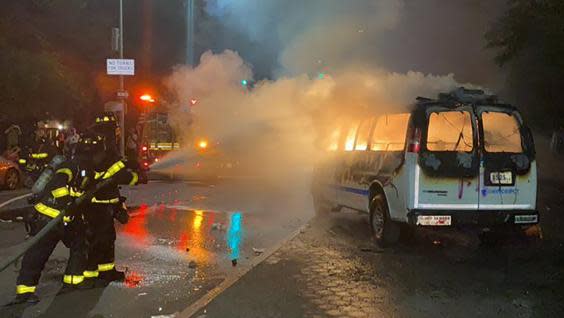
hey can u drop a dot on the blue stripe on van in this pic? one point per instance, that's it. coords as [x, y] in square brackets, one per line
[351, 190]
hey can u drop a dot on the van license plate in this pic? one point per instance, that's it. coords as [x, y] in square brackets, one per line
[434, 220]
[526, 219]
[501, 177]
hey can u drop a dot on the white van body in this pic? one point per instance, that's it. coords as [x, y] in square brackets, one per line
[462, 159]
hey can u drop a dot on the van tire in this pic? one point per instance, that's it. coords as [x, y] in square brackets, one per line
[385, 232]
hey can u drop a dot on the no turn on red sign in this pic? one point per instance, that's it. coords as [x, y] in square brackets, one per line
[120, 67]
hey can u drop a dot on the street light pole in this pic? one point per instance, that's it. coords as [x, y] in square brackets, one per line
[190, 32]
[121, 84]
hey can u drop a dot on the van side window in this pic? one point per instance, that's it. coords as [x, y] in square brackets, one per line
[390, 132]
[363, 135]
[351, 134]
[334, 137]
[450, 131]
[501, 133]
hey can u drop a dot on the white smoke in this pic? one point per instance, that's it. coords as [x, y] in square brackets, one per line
[282, 124]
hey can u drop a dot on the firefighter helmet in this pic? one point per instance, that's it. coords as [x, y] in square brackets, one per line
[106, 118]
[89, 144]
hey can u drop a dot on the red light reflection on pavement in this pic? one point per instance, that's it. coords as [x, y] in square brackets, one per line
[137, 225]
[172, 216]
[133, 279]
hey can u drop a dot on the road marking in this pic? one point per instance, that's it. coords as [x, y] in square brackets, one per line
[229, 281]
[3, 204]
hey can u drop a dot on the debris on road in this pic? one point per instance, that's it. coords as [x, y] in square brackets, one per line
[234, 262]
[19, 218]
[164, 316]
[165, 242]
[5, 221]
[534, 231]
[142, 294]
[258, 251]
[218, 226]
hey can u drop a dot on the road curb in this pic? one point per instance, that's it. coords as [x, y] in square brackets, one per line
[199, 304]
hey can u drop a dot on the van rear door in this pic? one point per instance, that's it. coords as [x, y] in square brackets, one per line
[447, 173]
[508, 172]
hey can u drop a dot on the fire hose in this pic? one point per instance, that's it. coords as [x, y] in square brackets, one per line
[20, 249]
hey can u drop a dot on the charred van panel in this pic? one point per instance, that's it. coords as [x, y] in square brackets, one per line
[449, 164]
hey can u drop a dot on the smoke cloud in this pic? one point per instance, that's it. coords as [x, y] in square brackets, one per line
[332, 68]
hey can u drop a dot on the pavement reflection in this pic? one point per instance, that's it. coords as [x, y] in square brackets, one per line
[234, 235]
[205, 237]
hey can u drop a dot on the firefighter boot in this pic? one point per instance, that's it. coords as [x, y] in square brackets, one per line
[72, 286]
[28, 298]
[112, 276]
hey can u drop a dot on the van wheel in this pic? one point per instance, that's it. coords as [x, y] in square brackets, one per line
[385, 232]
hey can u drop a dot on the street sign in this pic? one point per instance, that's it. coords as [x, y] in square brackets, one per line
[123, 94]
[113, 106]
[120, 67]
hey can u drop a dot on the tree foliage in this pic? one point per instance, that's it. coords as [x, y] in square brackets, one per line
[529, 42]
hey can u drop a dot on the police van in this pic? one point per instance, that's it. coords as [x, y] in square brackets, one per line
[461, 159]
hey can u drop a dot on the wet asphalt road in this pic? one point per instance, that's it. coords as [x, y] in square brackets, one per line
[179, 244]
[331, 270]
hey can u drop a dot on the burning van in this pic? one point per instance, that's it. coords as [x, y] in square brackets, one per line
[462, 159]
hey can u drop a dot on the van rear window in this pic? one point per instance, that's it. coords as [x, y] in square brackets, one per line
[501, 133]
[390, 132]
[450, 131]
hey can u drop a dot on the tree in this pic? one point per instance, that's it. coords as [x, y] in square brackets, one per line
[529, 41]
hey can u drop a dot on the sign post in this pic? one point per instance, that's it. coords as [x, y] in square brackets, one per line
[121, 67]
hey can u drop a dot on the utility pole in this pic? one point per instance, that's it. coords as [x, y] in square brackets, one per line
[190, 32]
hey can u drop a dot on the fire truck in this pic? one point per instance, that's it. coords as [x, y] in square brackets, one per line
[157, 138]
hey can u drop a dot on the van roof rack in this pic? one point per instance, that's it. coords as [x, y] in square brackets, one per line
[465, 95]
[460, 96]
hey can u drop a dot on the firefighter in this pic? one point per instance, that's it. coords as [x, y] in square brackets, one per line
[56, 196]
[106, 124]
[100, 213]
[44, 152]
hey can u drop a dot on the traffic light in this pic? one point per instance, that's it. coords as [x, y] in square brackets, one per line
[245, 83]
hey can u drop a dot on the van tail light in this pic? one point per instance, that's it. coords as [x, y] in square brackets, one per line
[414, 145]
